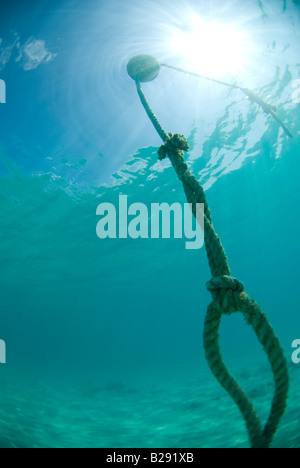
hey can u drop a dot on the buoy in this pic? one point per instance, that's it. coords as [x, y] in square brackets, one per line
[143, 68]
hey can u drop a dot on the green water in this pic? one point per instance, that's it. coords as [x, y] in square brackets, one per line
[104, 337]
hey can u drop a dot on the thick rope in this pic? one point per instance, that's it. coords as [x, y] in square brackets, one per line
[228, 297]
[151, 115]
[267, 108]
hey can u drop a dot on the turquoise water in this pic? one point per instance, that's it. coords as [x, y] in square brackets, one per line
[104, 337]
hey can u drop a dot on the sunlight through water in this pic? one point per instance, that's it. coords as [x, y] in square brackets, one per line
[104, 337]
[212, 48]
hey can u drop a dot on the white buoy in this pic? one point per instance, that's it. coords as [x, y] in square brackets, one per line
[143, 68]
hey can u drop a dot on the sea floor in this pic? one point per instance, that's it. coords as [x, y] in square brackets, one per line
[185, 411]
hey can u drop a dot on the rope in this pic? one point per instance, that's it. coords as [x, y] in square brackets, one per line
[150, 114]
[228, 297]
[267, 108]
[201, 76]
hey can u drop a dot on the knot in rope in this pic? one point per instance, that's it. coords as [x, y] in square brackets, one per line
[175, 142]
[224, 282]
[226, 292]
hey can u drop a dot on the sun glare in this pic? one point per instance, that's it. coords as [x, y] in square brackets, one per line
[211, 48]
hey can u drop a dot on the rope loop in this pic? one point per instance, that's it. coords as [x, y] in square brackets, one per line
[232, 301]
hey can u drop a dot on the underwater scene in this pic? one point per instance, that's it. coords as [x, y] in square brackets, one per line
[125, 322]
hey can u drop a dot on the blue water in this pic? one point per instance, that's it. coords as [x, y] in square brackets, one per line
[104, 337]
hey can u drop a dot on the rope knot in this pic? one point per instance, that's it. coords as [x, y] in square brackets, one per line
[224, 282]
[174, 142]
[226, 292]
